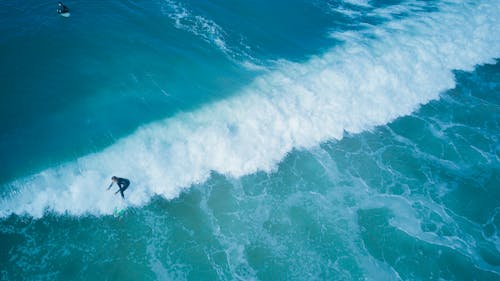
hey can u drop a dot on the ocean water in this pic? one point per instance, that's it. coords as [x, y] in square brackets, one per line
[264, 140]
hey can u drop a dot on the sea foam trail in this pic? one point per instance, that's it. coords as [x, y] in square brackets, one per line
[209, 31]
[374, 77]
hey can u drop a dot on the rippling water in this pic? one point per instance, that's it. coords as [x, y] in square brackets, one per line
[293, 140]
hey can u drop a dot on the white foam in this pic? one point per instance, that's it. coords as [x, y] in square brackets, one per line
[196, 24]
[362, 3]
[368, 81]
[208, 30]
[394, 11]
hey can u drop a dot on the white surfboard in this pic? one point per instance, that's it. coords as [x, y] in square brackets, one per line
[66, 15]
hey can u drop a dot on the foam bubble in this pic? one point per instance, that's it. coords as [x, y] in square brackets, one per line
[376, 76]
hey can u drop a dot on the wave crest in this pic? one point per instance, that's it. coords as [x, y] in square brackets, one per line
[376, 76]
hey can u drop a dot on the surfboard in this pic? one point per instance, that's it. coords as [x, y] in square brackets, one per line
[66, 15]
[118, 212]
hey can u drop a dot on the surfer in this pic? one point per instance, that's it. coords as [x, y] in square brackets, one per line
[122, 184]
[61, 9]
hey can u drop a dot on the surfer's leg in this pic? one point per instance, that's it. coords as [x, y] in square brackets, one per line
[121, 192]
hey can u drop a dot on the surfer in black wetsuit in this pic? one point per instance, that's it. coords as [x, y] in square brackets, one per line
[61, 9]
[122, 184]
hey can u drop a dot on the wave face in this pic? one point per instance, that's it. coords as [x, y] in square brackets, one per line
[375, 76]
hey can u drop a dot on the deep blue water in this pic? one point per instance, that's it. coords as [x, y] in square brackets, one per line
[292, 140]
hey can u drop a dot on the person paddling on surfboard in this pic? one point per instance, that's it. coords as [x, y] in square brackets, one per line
[61, 9]
[122, 184]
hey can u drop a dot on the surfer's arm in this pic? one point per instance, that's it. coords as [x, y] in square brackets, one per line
[110, 185]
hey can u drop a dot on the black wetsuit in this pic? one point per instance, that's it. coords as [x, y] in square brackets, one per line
[122, 184]
[62, 9]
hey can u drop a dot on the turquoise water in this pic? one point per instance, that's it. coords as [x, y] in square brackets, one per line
[298, 140]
